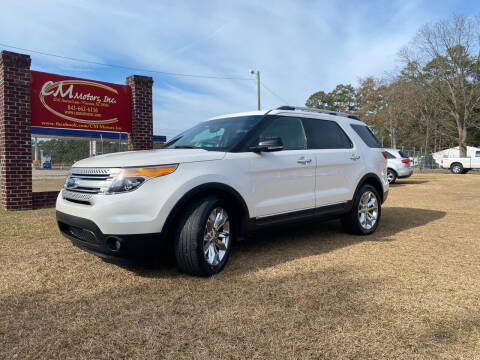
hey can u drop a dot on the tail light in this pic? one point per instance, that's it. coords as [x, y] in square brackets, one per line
[384, 153]
[405, 161]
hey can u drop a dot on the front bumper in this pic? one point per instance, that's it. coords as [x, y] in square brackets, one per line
[86, 235]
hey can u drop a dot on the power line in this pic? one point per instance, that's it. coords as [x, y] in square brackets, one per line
[271, 92]
[126, 67]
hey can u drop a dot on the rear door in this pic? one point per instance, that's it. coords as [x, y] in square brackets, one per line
[338, 162]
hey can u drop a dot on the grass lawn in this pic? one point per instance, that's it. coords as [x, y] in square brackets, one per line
[45, 184]
[410, 291]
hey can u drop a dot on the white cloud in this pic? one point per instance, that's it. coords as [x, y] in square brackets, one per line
[299, 46]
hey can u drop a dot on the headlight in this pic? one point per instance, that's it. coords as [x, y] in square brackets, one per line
[129, 179]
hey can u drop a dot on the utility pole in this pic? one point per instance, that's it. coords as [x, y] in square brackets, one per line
[257, 73]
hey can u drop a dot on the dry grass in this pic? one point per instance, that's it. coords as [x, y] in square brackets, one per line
[410, 291]
[45, 184]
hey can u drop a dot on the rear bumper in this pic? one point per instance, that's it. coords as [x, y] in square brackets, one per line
[86, 235]
[404, 172]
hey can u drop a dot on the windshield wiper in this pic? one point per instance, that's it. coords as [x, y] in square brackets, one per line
[185, 147]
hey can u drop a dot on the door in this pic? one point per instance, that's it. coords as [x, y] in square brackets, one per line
[339, 165]
[282, 181]
[476, 160]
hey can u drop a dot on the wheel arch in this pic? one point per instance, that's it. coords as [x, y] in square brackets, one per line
[373, 180]
[395, 171]
[212, 188]
[456, 163]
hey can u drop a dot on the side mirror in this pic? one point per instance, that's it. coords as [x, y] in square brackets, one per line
[268, 145]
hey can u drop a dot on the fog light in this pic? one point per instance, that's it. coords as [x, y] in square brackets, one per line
[114, 243]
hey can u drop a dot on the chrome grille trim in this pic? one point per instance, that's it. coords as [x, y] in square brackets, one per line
[91, 171]
[67, 194]
[89, 181]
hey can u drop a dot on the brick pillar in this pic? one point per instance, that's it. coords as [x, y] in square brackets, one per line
[142, 113]
[15, 131]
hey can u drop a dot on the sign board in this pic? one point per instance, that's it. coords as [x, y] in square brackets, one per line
[72, 103]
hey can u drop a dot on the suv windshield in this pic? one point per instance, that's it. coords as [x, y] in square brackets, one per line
[215, 135]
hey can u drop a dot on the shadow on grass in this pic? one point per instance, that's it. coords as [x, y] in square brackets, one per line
[401, 182]
[280, 244]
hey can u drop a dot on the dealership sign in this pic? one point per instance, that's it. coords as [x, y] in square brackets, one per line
[66, 102]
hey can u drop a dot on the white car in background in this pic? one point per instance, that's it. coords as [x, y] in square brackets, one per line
[398, 165]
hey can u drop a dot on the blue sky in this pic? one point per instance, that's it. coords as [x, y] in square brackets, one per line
[299, 46]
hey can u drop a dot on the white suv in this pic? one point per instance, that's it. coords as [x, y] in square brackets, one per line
[212, 184]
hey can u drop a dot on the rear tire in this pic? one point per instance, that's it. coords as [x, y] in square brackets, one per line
[366, 211]
[204, 237]
[456, 168]
[391, 176]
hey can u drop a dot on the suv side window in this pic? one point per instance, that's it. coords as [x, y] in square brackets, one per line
[289, 129]
[366, 135]
[325, 134]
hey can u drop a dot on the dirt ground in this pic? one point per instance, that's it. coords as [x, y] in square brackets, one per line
[410, 291]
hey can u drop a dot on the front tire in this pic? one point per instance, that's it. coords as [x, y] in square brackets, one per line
[204, 237]
[365, 215]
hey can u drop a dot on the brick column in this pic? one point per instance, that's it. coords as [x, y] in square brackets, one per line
[15, 131]
[142, 113]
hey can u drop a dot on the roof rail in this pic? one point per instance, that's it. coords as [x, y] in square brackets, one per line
[322, 111]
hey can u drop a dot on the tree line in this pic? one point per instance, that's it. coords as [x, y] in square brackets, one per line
[432, 102]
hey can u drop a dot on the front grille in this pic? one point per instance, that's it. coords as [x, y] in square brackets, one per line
[83, 183]
[77, 197]
[91, 171]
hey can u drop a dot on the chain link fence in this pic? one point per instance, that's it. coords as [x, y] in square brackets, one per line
[422, 161]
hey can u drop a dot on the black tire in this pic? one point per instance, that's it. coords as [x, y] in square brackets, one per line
[391, 176]
[189, 240]
[456, 168]
[351, 221]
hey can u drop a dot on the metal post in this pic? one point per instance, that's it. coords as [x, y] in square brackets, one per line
[36, 148]
[258, 89]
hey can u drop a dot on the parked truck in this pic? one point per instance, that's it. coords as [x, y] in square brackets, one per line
[461, 165]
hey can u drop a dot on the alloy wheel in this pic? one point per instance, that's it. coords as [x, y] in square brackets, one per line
[216, 238]
[368, 210]
[390, 176]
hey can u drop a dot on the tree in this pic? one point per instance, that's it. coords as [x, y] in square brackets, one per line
[446, 57]
[342, 98]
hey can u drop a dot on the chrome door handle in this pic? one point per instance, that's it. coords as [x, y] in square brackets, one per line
[304, 161]
[355, 157]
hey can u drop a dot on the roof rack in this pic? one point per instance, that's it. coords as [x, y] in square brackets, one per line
[322, 111]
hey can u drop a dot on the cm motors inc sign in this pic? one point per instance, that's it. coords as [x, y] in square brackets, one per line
[66, 102]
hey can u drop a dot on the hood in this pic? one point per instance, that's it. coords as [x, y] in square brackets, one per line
[149, 158]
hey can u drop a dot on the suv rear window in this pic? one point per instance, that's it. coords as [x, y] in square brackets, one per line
[325, 134]
[390, 155]
[366, 135]
[402, 154]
